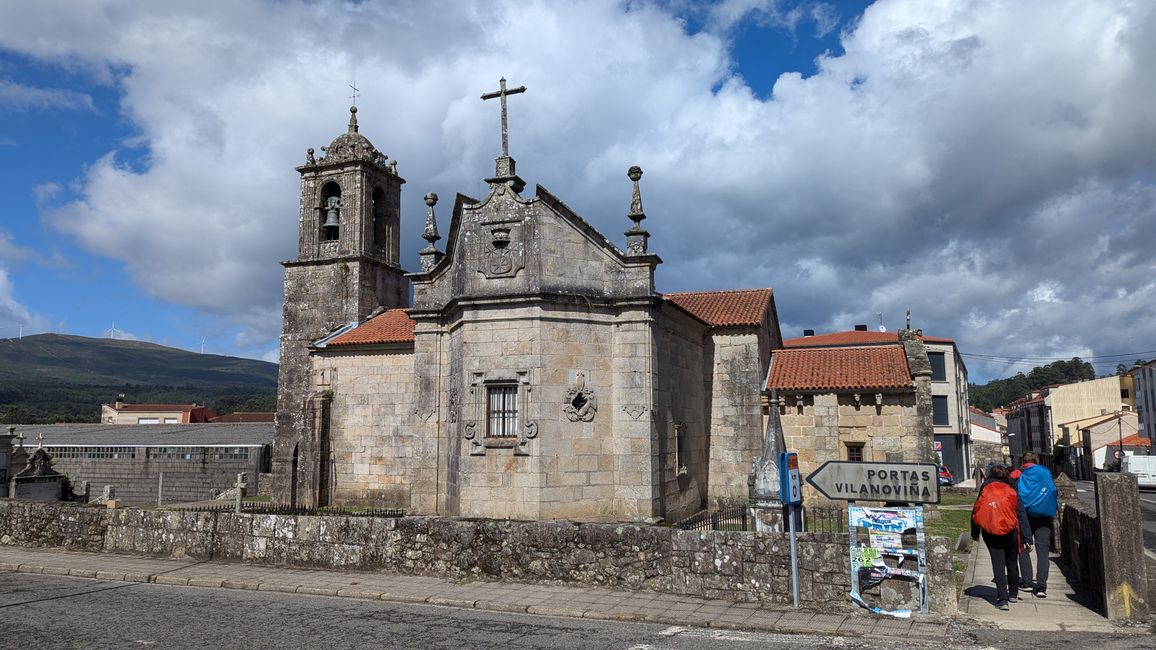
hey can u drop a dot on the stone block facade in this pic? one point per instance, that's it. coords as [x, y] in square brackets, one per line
[536, 373]
[727, 565]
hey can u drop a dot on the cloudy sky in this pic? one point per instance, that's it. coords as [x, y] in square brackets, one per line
[989, 165]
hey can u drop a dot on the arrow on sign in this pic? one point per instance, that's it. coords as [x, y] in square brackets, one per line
[844, 480]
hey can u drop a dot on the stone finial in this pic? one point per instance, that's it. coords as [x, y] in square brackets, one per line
[636, 237]
[430, 255]
[310, 159]
[353, 119]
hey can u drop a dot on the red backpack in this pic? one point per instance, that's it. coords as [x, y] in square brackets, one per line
[995, 509]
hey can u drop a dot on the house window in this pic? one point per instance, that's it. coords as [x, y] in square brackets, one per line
[855, 452]
[938, 366]
[502, 411]
[171, 421]
[939, 410]
[148, 420]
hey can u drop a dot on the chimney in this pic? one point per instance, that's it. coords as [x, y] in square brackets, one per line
[861, 328]
[119, 404]
[808, 332]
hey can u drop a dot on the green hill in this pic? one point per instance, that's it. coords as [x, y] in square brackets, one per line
[59, 378]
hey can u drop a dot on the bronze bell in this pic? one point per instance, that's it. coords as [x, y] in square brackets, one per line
[331, 220]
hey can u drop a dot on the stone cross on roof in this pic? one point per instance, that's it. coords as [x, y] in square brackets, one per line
[502, 92]
[356, 92]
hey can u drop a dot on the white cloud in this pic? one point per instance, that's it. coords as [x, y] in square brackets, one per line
[18, 97]
[956, 157]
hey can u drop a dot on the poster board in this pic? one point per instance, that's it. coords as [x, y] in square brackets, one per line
[879, 552]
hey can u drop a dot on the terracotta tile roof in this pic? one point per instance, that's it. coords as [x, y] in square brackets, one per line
[853, 337]
[390, 326]
[1134, 440]
[741, 307]
[846, 368]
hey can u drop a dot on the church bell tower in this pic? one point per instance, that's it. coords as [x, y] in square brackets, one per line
[346, 267]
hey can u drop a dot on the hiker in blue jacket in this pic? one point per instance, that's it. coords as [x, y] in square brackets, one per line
[1037, 492]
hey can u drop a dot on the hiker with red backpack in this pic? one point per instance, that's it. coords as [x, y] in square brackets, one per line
[1037, 492]
[1000, 517]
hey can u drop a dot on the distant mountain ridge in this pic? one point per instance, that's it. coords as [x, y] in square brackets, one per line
[64, 378]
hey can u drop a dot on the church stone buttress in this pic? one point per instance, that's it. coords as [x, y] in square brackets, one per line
[346, 267]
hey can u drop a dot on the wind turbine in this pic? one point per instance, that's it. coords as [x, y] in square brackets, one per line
[203, 344]
[112, 331]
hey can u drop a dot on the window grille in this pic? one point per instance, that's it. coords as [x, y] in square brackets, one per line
[502, 412]
[855, 452]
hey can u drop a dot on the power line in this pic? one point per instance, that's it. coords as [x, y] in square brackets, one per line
[998, 357]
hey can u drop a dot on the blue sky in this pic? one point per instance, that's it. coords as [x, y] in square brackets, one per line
[988, 165]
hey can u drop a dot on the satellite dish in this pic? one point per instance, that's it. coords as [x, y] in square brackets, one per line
[882, 328]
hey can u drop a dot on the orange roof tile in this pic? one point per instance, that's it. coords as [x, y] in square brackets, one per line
[740, 307]
[1134, 440]
[390, 326]
[853, 337]
[847, 368]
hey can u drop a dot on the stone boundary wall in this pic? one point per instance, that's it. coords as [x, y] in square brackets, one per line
[1079, 541]
[735, 566]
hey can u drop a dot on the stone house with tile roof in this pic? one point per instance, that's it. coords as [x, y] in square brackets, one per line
[854, 396]
[535, 373]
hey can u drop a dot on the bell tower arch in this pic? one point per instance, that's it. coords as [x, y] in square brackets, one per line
[346, 267]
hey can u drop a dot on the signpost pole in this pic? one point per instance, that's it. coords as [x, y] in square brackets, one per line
[794, 559]
[791, 494]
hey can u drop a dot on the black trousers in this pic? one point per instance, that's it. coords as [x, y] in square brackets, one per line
[1042, 534]
[1004, 550]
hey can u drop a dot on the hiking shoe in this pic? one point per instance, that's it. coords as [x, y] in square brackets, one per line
[1041, 594]
[1002, 604]
[1013, 599]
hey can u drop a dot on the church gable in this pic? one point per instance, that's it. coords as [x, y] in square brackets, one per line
[510, 246]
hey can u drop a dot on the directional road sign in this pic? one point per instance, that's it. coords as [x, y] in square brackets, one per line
[843, 480]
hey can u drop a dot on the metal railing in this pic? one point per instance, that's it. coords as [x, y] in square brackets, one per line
[824, 520]
[728, 516]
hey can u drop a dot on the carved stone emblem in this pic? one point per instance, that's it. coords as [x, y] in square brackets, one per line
[635, 411]
[505, 257]
[581, 402]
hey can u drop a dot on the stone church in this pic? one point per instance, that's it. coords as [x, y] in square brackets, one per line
[528, 371]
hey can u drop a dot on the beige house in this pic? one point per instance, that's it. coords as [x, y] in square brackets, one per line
[1034, 422]
[536, 373]
[1099, 437]
[120, 412]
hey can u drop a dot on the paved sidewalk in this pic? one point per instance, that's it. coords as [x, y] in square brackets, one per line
[1065, 608]
[550, 600]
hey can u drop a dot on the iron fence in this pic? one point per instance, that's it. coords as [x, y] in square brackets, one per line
[264, 508]
[824, 520]
[728, 516]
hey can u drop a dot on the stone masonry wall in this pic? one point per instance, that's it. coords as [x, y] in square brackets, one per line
[727, 565]
[736, 414]
[373, 448]
[822, 427]
[136, 480]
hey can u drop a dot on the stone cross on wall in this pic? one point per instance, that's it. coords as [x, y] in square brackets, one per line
[502, 92]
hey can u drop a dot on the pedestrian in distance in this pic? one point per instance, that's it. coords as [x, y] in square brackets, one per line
[1037, 493]
[1000, 517]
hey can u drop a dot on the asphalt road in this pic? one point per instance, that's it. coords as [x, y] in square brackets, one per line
[1086, 490]
[59, 612]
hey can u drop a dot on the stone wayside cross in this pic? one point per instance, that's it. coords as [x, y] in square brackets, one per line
[239, 486]
[502, 92]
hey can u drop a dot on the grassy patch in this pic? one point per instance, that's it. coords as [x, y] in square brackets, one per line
[957, 497]
[950, 524]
